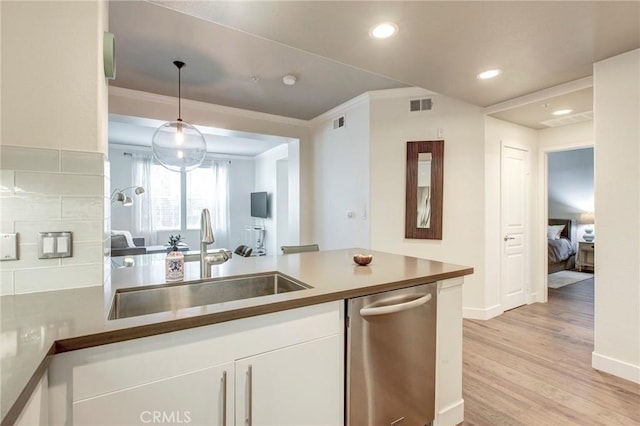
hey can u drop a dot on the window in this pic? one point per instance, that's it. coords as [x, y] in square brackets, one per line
[165, 198]
[177, 199]
[200, 191]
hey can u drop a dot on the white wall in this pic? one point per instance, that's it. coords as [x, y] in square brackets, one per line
[566, 137]
[617, 207]
[266, 180]
[57, 97]
[54, 108]
[341, 177]
[497, 133]
[121, 177]
[570, 181]
[392, 125]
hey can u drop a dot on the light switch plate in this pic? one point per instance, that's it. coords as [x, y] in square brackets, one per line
[53, 245]
[8, 247]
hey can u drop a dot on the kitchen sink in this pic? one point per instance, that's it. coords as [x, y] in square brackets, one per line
[131, 302]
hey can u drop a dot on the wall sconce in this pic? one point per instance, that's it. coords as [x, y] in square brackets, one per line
[588, 219]
[118, 195]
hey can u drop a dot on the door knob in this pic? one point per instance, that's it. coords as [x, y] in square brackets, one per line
[507, 238]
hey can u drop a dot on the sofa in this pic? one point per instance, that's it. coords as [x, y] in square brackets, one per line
[123, 244]
[120, 245]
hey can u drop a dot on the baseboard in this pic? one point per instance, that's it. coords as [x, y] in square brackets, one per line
[451, 415]
[616, 367]
[482, 314]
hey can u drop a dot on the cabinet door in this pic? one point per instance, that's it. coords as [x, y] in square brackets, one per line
[296, 385]
[203, 397]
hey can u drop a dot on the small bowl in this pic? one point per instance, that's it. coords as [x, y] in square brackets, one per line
[363, 259]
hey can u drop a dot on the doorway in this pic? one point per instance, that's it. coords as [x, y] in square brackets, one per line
[567, 193]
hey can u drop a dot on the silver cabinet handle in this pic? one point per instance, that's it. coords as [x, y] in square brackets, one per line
[507, 238]
[224, 398]
[390, 309]
[249, 417]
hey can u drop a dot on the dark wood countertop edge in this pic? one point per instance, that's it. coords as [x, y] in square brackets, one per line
[12, 415]
[153, 329]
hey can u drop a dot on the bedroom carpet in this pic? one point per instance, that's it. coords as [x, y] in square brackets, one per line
[562, 278]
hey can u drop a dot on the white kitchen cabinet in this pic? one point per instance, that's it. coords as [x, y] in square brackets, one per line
[297, 385]
[169, 377]
[203, 397]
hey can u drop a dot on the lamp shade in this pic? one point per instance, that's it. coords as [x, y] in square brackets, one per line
[587, 219]
[178, 146]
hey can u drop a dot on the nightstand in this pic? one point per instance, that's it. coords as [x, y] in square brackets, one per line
[586, 256]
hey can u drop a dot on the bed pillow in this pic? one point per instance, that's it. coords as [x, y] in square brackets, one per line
[554, 231]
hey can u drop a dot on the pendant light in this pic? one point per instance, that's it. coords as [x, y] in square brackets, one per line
[178, 145]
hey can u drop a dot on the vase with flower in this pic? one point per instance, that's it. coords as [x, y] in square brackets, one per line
[174, 265]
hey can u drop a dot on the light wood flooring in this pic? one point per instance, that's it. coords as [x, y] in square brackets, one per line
[532, 366]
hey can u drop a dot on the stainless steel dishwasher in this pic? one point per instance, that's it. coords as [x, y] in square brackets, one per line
[391, 350]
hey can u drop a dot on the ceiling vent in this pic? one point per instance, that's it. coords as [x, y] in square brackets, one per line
[338, 122]
[569, 119]
[425, 104]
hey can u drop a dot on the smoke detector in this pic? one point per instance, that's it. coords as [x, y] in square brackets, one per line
[289, 79]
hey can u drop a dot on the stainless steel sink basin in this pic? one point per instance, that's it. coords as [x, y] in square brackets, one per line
[169, 297]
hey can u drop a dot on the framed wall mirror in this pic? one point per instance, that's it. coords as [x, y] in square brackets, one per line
[423, 210]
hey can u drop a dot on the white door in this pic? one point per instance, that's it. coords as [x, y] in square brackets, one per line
[515, 235]
[297, 385]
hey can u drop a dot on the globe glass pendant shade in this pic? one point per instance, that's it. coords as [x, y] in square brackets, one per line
[178, 146]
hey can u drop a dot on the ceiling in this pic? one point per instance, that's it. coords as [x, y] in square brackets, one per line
[238, 51]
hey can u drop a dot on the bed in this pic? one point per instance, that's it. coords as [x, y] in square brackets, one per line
[561, 248]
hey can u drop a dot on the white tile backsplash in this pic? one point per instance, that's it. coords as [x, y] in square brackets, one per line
[6, 226]
[29, 207]
[28, 258]
[47, 279]
[84, 253]
[57, 183]
[82, 207]
[83, 230]
[88, 163]
[36, 159]
[6, 182]
[6, 283]
[45, 190]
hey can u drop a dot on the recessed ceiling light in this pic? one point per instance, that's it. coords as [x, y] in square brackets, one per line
[383, 30]
[485, 75]
[562, 112]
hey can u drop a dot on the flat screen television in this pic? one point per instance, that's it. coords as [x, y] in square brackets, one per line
[259, 207]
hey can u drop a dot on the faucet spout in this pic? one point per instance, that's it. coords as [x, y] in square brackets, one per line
[206, 238]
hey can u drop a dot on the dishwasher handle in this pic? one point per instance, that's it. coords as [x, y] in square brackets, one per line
[390, 309]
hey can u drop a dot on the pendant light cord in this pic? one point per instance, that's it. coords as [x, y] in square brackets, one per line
[179, 65]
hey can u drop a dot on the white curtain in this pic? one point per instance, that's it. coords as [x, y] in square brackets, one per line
[142, 217]
[218, 204]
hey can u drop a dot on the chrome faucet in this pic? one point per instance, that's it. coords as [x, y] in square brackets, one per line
[206, 238]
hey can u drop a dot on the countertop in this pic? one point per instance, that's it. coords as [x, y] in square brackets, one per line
[38, 325]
